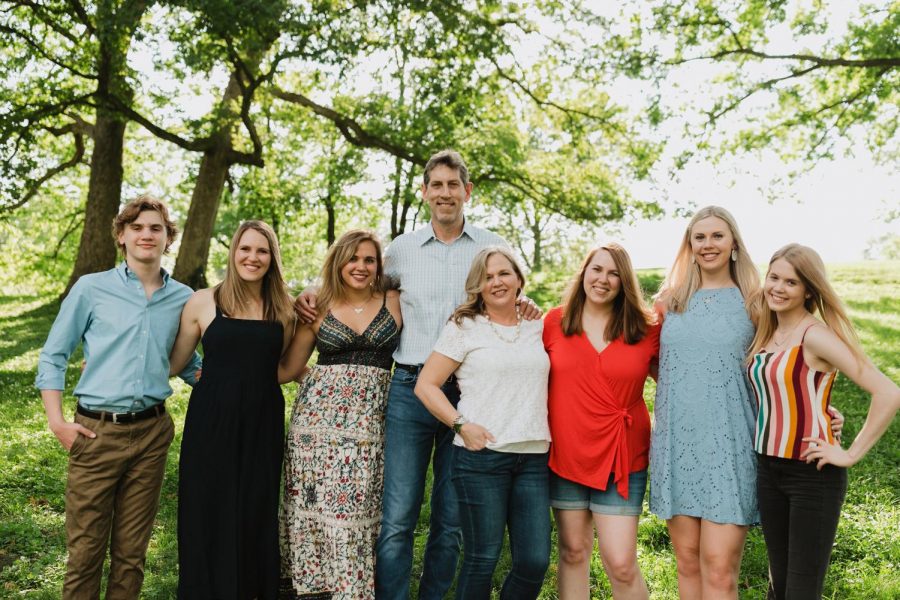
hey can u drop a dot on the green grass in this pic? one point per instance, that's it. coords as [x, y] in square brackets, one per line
[865, 563]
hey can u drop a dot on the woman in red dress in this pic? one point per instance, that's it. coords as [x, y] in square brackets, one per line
[602, 342]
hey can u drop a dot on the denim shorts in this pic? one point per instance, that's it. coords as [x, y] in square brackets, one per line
[569, 495]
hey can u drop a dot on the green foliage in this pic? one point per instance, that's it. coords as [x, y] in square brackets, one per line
[836, 81]
[32, 468]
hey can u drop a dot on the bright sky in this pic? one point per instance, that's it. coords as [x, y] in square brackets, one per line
[837, 209]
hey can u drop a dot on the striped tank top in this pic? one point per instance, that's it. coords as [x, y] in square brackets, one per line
[793, 402]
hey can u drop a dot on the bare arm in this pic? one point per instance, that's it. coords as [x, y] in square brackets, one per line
[294, 359]
[428, 389]
[823, 345]
[393, 306]
[64, 431]
[188, 333]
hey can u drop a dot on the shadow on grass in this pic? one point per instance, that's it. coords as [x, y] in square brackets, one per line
[27, 330]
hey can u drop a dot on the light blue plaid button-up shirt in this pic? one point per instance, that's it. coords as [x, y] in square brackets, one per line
[432, 277]
[126, 338]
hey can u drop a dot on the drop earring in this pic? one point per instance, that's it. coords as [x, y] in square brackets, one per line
[733, 255]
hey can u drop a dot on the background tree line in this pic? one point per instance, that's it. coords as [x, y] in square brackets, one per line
[319, 114]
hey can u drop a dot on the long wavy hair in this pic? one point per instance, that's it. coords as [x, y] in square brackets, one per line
[474, 303]
[630, 316]
[333, 288]
[822, 299]
[683, 279]
[232, 296]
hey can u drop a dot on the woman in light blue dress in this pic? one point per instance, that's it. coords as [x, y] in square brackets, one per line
[702, 468]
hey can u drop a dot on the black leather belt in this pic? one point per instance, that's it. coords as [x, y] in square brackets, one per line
[415, 369]
[124, 417]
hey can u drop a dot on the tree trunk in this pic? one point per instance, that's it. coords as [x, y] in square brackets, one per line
[537, 260]
[190, 268]
[97, 249]
[332, 217]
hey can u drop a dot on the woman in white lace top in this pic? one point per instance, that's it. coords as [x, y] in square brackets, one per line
[502, 437]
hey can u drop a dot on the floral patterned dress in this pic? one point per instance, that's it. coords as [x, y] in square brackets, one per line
[334, 463]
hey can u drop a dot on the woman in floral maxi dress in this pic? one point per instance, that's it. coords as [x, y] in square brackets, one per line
[331, 509]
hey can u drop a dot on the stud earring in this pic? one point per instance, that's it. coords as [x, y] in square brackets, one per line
[733, 255]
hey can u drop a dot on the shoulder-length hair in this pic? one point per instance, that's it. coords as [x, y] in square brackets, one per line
[821, 298]
[232, 296]
[631, 315]
[474, 303]
[333, 288]
[683, 278]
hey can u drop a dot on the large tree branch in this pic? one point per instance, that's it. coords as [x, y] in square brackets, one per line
[351, 129]
[759, 87]
[53, 21]
[79, 10]
[36, 184]
[198, 145]
[819, 61]
[39, 50]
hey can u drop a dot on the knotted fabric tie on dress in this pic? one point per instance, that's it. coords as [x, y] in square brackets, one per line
[622, 463]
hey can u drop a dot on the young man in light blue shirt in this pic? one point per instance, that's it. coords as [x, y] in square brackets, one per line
[126, 320]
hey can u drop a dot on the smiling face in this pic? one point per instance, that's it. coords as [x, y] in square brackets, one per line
[145, 238]
[361, 269]
[784, 289]
[602, 282]
[711, 244]
[446, 195]
[253, 256]
[501, 283]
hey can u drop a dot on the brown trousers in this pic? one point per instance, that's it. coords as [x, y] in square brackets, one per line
[112, 496]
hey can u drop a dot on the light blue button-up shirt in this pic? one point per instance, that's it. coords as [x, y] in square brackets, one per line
[126, 338]
[432, 279]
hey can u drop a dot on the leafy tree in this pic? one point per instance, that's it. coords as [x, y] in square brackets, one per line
[68, 60]
[836, 64]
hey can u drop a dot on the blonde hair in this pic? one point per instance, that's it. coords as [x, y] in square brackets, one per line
[821, 298]
[630, 317]
[683, 278]
[334, 289]
[232, 296]
[474, 303]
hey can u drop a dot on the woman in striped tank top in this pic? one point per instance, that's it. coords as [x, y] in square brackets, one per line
[801, 467]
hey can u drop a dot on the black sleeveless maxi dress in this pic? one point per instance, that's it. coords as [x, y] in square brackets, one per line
[230, 466]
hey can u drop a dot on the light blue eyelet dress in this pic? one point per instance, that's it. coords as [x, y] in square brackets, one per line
[701, 451]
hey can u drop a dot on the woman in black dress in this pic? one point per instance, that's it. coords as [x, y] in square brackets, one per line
[233, 440]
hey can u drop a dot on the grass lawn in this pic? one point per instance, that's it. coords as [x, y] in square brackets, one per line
[865, 562]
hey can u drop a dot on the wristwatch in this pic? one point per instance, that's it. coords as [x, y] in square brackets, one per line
[458, 422]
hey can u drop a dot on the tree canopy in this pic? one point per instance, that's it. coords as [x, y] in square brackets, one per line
[314, 115]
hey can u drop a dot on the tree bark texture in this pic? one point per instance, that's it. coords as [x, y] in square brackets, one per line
[190, 268]
[97, 249]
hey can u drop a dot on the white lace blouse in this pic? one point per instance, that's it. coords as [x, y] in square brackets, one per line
[502, 381]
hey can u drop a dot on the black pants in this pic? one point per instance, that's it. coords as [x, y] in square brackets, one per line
[799, 508]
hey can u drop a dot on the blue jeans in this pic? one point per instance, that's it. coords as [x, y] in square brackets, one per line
[500, 490]
[411, 434]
